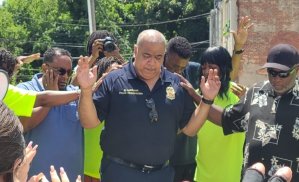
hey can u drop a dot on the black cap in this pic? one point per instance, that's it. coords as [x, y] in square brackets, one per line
[282, 57]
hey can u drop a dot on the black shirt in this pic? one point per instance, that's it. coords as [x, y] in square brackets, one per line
[271, 124]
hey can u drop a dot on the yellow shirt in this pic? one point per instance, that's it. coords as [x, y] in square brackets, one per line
[20, 101]
[219, 158]
[92, 152]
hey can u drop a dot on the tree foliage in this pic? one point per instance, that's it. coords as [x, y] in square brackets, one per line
[30, 26]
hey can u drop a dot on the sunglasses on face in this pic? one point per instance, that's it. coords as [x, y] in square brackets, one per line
[61, 71]
[153, 114]
[280, 74]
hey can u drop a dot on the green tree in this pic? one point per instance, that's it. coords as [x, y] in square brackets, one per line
[30, 26]
[12, 35]
[151, 14]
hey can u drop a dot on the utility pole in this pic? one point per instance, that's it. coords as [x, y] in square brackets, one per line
[91, 16]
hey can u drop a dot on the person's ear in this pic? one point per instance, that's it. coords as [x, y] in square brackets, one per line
[135, 50]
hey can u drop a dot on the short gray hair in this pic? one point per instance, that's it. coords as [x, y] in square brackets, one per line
[151, 35]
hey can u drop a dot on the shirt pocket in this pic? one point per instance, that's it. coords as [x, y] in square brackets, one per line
[70, 112]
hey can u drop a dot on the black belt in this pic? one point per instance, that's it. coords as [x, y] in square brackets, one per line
[139, 167]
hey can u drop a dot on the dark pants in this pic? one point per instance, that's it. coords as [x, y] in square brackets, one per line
[252, 175]
[115, 172]
[184, 172]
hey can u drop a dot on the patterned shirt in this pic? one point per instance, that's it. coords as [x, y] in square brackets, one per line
[271, 124]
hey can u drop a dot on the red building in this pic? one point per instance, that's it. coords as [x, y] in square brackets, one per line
[275, 21]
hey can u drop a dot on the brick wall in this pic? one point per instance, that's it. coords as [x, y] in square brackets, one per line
[275, 21]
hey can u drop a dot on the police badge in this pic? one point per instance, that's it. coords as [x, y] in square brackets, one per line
[170, 93]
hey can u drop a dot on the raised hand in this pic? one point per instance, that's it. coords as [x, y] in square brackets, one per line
[21, 170]
[28, 59]
[25, 60]
[210, 88]
[238, 89]
[54, 176]
[86, 77]
[240, 37]
[63, 175]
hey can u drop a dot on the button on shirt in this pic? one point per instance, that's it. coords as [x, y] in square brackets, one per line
[129, 133]
[271, 124]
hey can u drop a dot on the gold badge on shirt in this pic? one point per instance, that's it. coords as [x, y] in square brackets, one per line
[170, 93]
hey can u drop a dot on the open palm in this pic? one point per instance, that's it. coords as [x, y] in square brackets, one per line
[86, 77]
[211, 86]
[240, 37]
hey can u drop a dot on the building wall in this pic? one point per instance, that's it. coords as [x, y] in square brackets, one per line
[275, 21]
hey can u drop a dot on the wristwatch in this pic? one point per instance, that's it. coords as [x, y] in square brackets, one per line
[239, 51]
[206, 101]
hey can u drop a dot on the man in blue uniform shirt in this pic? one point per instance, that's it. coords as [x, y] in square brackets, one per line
[144, 106]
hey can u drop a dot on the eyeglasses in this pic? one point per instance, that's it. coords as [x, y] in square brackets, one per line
[281, 74]
[61, 71]
[153, 114]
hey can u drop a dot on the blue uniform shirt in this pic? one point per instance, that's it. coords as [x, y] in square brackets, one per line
[59, 137]
[185, 146]
[129, 134]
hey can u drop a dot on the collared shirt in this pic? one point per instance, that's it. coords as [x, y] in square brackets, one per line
[271, 124]
[59, 137]
[186, 147]
[184, 151]
[129, 133]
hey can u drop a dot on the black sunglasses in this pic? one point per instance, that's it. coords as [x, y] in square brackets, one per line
[61, 71]
[153, 114]
[281, 74]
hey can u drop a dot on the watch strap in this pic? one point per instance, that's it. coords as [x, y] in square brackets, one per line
[206, 101]
[238, 51]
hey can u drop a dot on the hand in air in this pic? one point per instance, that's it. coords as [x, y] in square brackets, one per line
[211, 86]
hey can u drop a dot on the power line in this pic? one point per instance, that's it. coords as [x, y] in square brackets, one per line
[165, 22]
[196, 44]
[128, 25]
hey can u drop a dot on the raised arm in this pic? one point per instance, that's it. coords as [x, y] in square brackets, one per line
[25, 60]
[86, 79]
[240, 38]
[210, 90]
